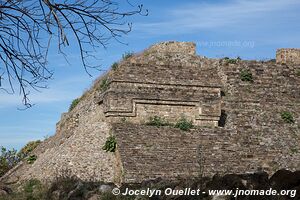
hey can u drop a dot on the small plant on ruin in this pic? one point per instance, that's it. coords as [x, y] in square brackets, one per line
[246, 75]
[146, 53]
[127, 55]
[272, 60]
[157, 121]
[123, 119]
[287, 117]
[298, 73]
[74, 104]
[31, 159]
[31, 189]
[294, 150]
[104, 84]
[184, 124]
[114, 66]
[110, 144]
[28, 148]
[231, 60]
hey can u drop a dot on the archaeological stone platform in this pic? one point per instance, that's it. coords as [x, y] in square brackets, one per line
[239, 128]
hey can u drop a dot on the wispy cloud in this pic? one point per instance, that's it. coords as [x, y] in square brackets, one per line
[199, 16]
[61, 91]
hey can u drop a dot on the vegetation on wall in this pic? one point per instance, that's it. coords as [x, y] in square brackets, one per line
[272, 60]
[31, 159]
[104, 84]
[246, 75]
[32, 189]
[28, 148]
[114, 66]
[231, 60]
[110, 144]
[294, 150]
[157, 121]
[287, 117]
[127, 55]
[74, 104]
[184, 124]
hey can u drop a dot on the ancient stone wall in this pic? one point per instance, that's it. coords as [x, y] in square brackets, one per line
[189, 48]
[75, 149]
[254, 136]
[166, 80]
[137, 102]
[239, 125]
[288, 56]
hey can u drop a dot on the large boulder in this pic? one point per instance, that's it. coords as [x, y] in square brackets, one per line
[4, 190]
[285, 179]
[258, 180]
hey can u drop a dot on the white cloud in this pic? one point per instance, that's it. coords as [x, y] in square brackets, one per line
[60, 91]
[195, 17]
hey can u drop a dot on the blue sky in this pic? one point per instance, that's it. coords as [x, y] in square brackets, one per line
[251, 29]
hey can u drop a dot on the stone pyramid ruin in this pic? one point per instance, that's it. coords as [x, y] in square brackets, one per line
[236, 107]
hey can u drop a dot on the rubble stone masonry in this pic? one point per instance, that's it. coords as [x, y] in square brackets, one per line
[288, 56]
[238, 123]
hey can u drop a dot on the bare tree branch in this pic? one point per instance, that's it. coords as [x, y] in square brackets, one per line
[24, 25]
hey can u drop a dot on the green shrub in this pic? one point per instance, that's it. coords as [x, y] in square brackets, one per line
[114, 66]
[147, 53]
[104, 84]
[298, 72]
[123, 119]
[28, 148]
[74, 104]
[30, 190]
[231, 60]
[184, 124]
[63, 184]
[287, 117]
[33, 190]
[294, 150]
[31, 159]
[272, 60]
[110, 144]
[127, 55]
[246, 75]
[8, 159]
[157, 121]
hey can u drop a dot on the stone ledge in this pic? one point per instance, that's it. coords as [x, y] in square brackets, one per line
[288, 56]
[174, 47]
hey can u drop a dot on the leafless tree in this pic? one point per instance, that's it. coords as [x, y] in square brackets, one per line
[27, 28]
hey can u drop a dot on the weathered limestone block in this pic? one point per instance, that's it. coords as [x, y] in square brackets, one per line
[141, 101]
[171, 88]
[170, 81]
[288, 56]
[173, 47]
